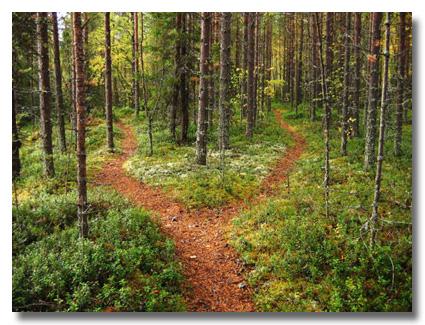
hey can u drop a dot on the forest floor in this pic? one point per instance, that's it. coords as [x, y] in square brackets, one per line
[214, 273]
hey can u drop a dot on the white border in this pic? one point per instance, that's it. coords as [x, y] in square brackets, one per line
[7, 6]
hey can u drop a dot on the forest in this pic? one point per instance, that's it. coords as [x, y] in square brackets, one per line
[212, 161]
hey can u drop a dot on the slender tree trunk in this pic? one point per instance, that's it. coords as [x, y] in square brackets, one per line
[269, 56]
[136, 99]
[244, 97]
[313, 104]
[329, 41]
[357, 74]
[327, 116]
[177, 72]
[16, 143]
[298, 71]
[108, 84]
[256, 61]
[142, 73]
[400, 84]
[184, 91]
[344, 115]
[58, 84]
[81, 125]
[373, 92]
[44, 90]
[225, 70]
[250, 81]
[380, 158]
[201, 134]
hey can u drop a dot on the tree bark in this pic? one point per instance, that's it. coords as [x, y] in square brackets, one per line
[108, 84]
[136, 101]
[344, 115]
[355, 112]
[298, 71]
[250, 81]
[225, 70]
[400, 85]
[201, 133]
[314, 64]
[177, 72]
[373, 92]
[58, 84]
[81, 124]
[327, 116]
[380, 158]
[44, 93]
[184, 89]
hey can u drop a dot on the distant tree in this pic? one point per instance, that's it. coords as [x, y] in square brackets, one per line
[400, 83]
[327, 116]
[135, 63]
[299, 65]
[58, 84]
[44, 91]
[184, 81]
[380, 157]
[355, 111]
[344, 115]
[81, 123]
[250, 81]
[108, 84]
[314, 72]
[373, 95]
[225, 70]
[201, 132]
[176, 85]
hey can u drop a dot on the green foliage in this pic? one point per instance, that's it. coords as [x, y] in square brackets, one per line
[302, 261]
[173, 167]
[126, 265]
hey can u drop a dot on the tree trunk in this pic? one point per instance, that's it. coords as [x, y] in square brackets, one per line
[225, 70]
[81, 125]
[355, 112]
[58, 84]
[327, 116]
[344, 115]
[136, 101]
[44, 89]
[380, 158]
[184, 89]
[237, 42]
[373, 92]
[250, 81]
[177, 72]
[16, 143]
[244, 96]
[108, 84]
[298, 72]
[400, 84]
[269, 58]
[201, 133]
[314, 64]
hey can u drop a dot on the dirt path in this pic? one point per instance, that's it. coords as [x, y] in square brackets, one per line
[212, 268]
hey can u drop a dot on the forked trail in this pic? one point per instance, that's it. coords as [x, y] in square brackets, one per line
[213, 271]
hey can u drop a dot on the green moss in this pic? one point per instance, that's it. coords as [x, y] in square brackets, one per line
[302, 261]
[173, 167]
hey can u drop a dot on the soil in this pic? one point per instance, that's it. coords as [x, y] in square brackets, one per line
[213, 270]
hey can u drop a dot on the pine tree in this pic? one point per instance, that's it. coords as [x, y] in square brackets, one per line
[44, 90]
[81, 124]
[108, 84]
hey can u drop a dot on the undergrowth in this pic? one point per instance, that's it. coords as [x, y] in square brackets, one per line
[173, 166]
[126, 264]
[303, 261]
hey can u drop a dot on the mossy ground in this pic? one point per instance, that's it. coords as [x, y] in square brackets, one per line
[126, 264]
[173, 166]
[303, 261]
